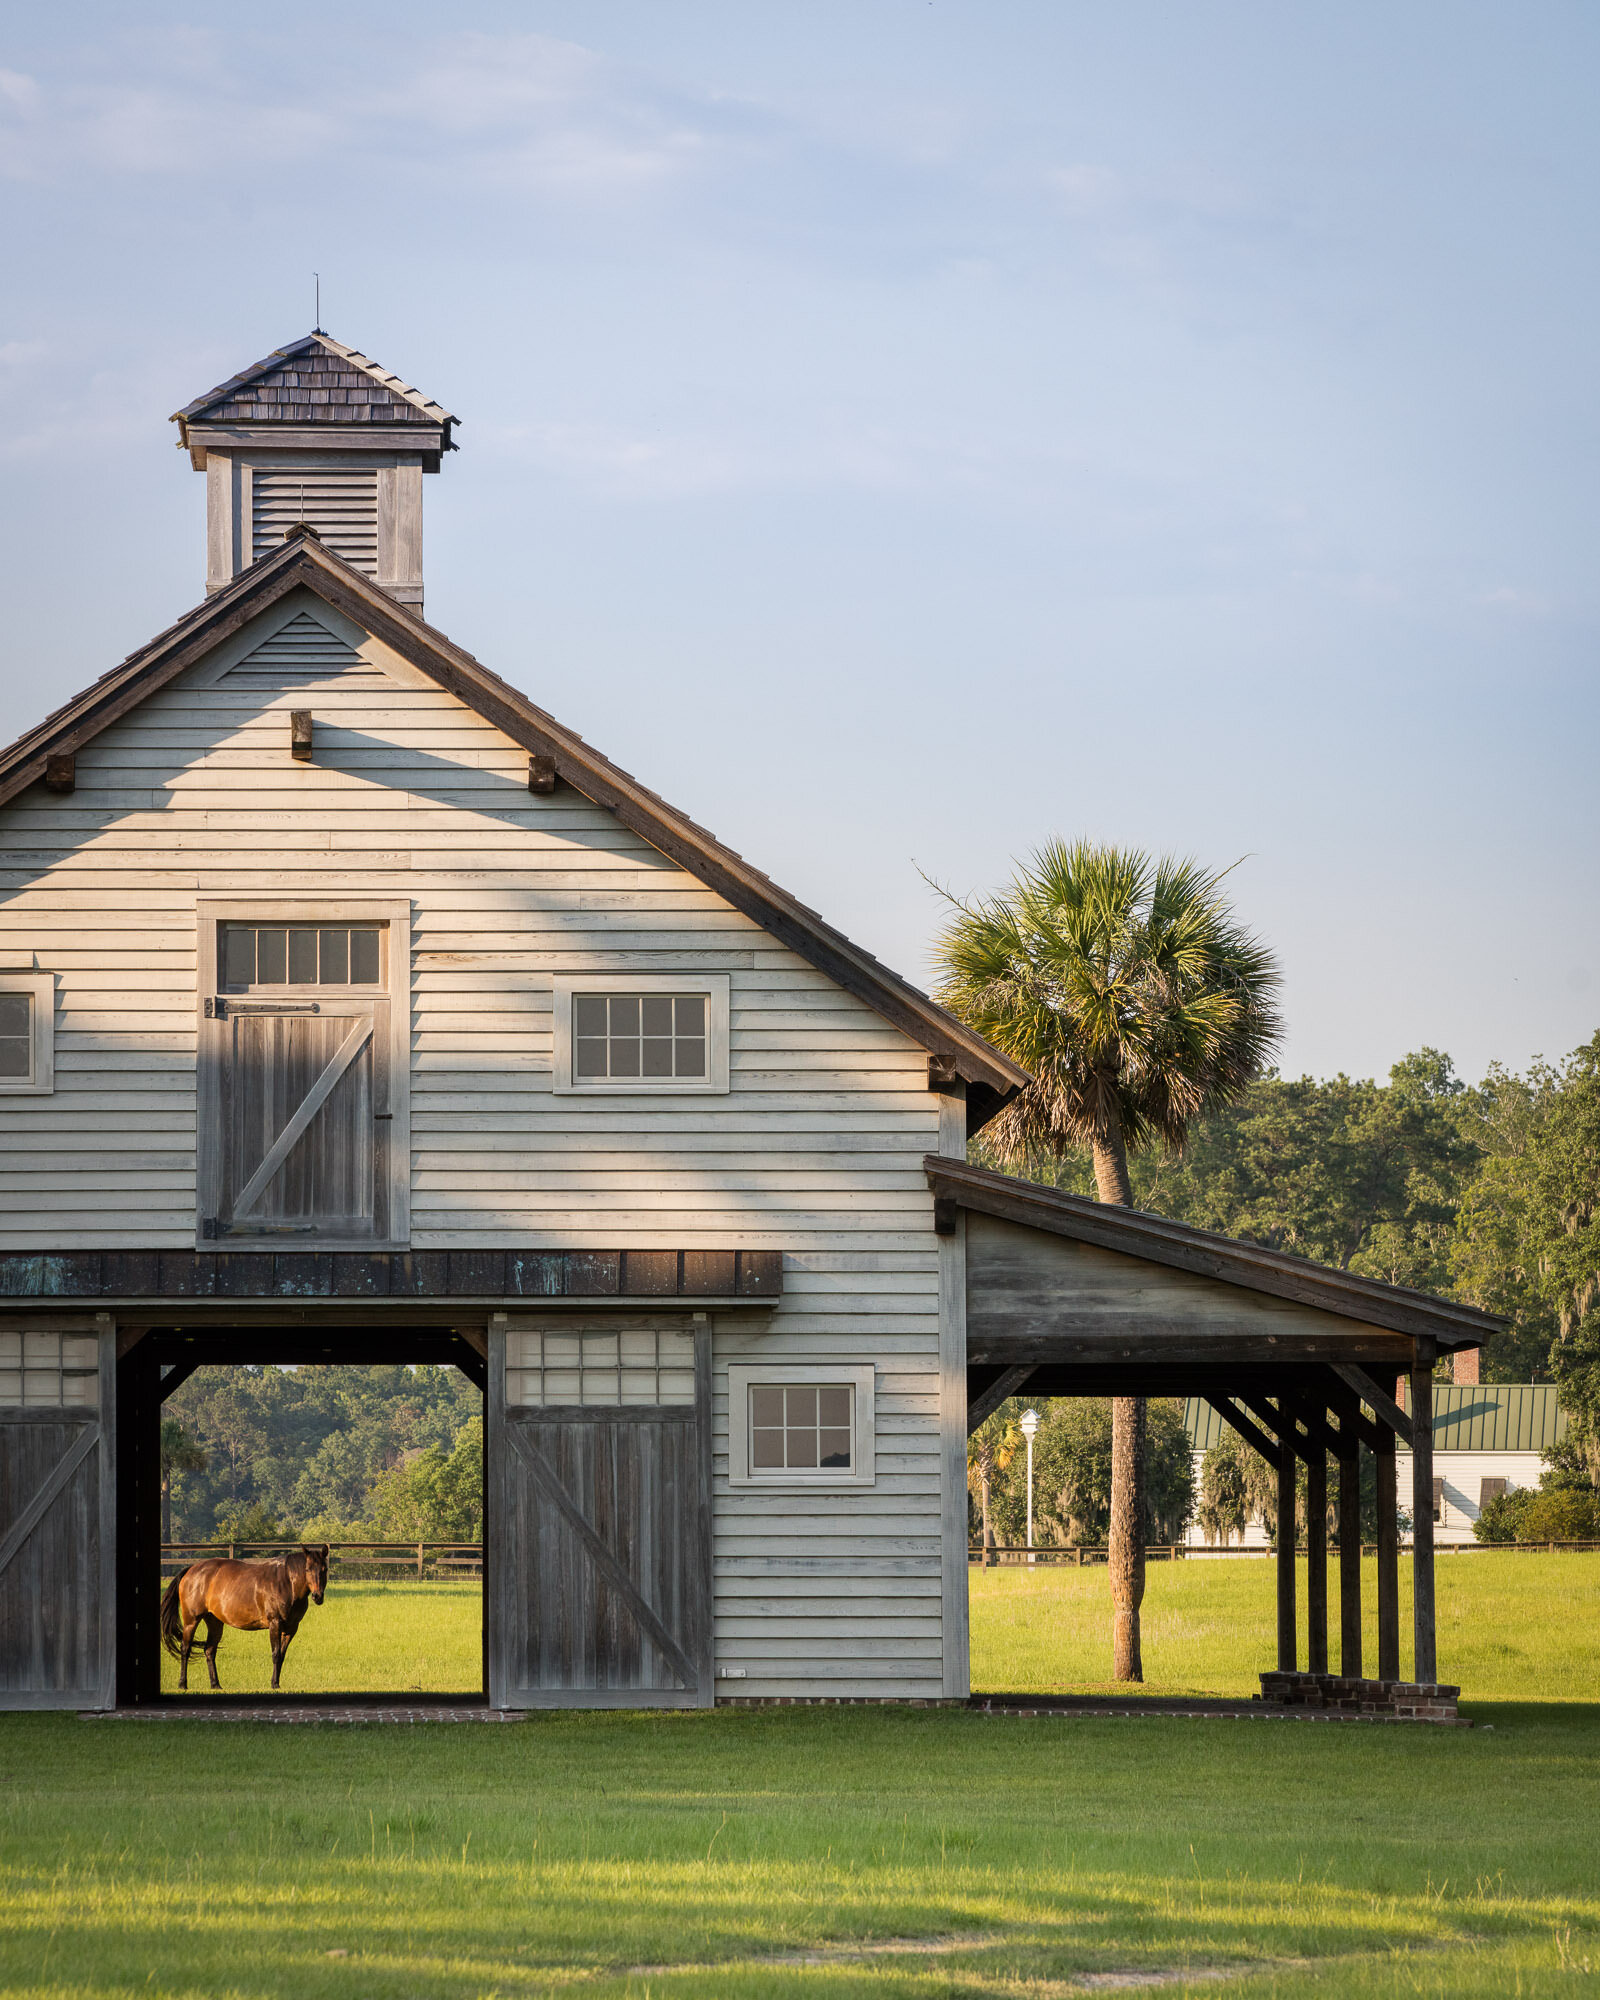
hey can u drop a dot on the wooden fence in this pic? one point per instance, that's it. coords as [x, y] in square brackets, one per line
[422, 1560]
[1005, 1553]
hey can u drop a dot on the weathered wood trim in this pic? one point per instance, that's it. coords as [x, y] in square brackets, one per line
[1425, 1663]
[106, 1610]
[153, 1279]
[1157, 1240]
[704, 1616]
[954, 1637]
[499, 1586]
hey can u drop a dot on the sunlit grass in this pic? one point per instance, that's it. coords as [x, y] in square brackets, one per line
[1510, 1627]
[390, 1635]
[680, 1855]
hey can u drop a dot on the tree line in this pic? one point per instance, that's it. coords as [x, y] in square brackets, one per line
[326, 1454]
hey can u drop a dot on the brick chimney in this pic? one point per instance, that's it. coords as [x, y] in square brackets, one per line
[1464, 1367]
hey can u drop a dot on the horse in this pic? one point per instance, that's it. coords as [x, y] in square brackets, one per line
[268, 1593]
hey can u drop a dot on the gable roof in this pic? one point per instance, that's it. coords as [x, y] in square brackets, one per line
[1160, 1240]
[303, 563]
[314, 380]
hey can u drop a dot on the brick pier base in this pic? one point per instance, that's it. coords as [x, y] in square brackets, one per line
[1337, 1694]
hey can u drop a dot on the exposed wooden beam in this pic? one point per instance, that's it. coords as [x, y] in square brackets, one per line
[987, 1401]
[1132, 1337]
[61, 772]
[541, 774]
[174, 1377]
[1360, 1379]
[1251, 1432]
[300, 735]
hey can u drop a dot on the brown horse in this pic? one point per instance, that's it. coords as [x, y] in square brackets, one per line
[268, 1594]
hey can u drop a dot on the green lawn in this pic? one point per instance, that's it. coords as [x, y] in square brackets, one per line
[410, 1637]
[1510, 1627]
[841, 1852]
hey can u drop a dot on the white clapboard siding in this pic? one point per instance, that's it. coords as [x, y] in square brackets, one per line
[340, 502]
[815, 1151]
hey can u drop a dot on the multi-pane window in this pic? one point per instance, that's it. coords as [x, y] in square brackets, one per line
[49, 1371]
[16, 1037]
[27, 1033]
[637, 1367]
[654, 1036]
[802, 1427]
[300, 955]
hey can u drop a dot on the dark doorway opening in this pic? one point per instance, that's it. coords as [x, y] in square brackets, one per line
[150, 1373]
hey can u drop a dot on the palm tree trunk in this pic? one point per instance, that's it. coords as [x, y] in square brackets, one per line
[1125, 1554]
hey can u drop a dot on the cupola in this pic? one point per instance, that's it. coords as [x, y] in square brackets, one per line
[316, 434]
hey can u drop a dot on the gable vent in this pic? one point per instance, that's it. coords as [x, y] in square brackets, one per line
[302, 654]
[340, 502]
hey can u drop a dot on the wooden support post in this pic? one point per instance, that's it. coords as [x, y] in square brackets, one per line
[1287, 1661]
[1388, 1560]
[1349, 1550]
[1317, 1561]
[1425, 1667]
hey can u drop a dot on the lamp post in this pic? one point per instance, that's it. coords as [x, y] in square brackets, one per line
[1030, 1423]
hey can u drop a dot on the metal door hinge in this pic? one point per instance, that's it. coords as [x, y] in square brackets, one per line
[216, 1010]
[210, 1226]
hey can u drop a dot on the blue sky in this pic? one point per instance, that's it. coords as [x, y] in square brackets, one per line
[901, 432]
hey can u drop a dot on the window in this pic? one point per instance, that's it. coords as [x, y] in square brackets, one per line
[1490, 1489]
[252, 955]
[49, 1370]
[651, 1033]
[1438, 1500]
[27, 1033]
[636, 1366]
[800, 1425]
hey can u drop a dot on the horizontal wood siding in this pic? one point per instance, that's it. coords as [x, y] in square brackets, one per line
[815, 1151]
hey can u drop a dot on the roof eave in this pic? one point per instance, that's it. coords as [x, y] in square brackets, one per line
[990, 1077]
[1136, 1233]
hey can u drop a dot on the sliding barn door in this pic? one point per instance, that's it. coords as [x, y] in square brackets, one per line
[299, 1116]
[57, 1513]
[599, 1547]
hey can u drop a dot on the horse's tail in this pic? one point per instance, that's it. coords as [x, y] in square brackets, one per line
[172, 1617]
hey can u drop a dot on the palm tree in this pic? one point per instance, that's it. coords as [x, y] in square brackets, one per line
[1136, 1001]
[989, 1451]
[179, 1453]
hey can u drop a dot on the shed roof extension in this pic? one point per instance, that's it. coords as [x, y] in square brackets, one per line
[304, 563]
[1159, 1240]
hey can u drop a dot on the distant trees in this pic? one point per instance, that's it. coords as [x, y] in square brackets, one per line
[1072, 1451]
[179, 1453]
[357, 1453]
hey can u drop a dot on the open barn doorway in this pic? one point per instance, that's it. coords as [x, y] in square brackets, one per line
[246, 1444]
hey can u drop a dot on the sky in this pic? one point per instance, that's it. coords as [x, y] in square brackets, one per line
[902, 431]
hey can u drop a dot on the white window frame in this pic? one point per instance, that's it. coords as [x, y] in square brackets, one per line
[40, 987]
[744, 1376]
[714, 985]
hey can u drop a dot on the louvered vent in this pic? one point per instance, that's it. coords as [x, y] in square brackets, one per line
[301, 654]
[340, 502]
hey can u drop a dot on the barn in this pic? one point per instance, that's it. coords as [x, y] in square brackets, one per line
[352, 1008]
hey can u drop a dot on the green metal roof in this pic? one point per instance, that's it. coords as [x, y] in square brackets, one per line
[1499, 1416]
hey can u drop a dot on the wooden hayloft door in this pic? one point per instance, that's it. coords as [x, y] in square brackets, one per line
[57, 1513]
[599, 1571]
[301, 1120]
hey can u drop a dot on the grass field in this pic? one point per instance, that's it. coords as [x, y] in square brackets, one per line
[409, 1637]
[845, 1852]
[1510, 1627]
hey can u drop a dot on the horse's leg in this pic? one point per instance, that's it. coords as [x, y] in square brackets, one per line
[185, 1647]
[280, 1646]
[213, 1641]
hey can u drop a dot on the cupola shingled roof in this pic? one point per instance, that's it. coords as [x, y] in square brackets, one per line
[314, 380]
